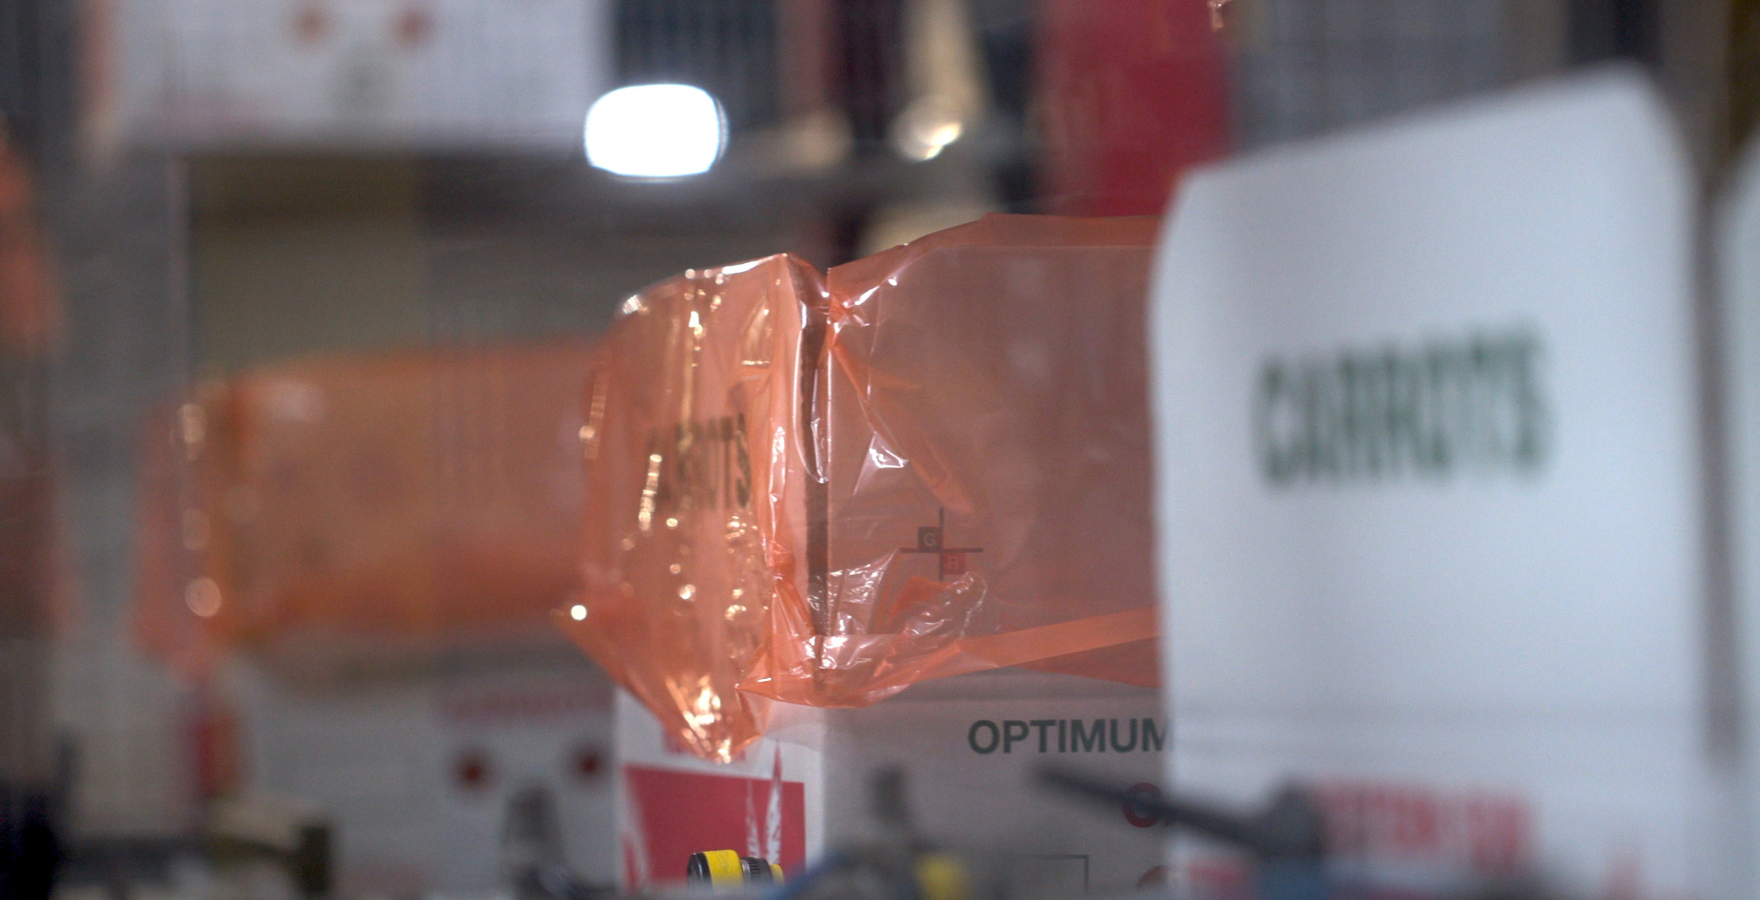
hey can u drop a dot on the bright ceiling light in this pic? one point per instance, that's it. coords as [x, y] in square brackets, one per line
[656, 131]
[925, 128]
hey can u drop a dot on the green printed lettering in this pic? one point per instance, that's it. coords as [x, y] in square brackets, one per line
[1476, 403]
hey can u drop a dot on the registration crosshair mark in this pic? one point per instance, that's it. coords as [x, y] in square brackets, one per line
[932, 539]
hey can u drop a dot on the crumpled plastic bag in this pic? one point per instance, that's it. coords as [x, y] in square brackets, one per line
[822, 490]
[698, 465]
[348, 504]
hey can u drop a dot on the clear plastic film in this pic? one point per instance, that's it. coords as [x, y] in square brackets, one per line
[350, 502]
[930, 462]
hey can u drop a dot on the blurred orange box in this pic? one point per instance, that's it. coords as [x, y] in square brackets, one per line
[416, 497]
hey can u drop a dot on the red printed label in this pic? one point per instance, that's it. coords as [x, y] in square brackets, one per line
[1484, 832]
[680, 813]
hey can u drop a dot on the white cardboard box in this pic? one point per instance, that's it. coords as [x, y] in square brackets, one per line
[1430, 492]
[968, 747]
[1738, 268]
[415, 774]
[432, 74]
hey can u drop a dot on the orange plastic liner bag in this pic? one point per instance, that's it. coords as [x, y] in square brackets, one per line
[930, 462]
[362, 502]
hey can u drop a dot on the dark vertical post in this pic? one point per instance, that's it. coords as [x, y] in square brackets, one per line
[1604, 30]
